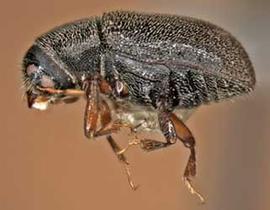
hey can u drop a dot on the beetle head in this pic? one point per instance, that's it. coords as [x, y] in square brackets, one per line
[41, 71]
[61, 59]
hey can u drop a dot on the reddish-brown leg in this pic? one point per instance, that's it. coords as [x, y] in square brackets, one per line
[105, 87]
[92, 109]
[106, 120]
[172, 128]
[95, 106]
[107, 126]
[185, 135]
[67, 92]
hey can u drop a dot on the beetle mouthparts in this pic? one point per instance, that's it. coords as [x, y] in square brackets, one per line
[37, 102]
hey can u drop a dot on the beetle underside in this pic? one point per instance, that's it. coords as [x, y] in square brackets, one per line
[105, 116]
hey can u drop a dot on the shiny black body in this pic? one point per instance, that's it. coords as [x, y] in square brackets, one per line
[181, 61]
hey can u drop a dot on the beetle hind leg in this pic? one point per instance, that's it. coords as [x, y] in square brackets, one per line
[173, 128]
[166, 127]
[185, 135]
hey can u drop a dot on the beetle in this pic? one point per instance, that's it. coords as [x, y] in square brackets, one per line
[137, 70]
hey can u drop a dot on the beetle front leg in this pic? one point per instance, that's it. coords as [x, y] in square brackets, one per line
[107, 125]
[98, 113]
[92, 109]
[67, 92]
[105, 120]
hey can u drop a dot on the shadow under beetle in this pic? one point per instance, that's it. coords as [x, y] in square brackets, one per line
[137, 70]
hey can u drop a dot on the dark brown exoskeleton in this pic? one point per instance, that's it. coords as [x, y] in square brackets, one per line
[137, 70]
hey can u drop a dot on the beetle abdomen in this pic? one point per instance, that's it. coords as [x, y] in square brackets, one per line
[193, 89]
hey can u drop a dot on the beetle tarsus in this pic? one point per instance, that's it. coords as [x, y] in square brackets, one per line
[192, 190]
[131, 183]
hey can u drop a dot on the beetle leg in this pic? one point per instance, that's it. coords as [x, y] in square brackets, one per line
[185, 135]
[168, 131]
[116, 148]
[67, 92]
[98, 111]
[120, 89]
[95, 108]
[92, 113]
[104, 87]
[105, 119]
[173, 128]
[105, 114]
[148, 145]
[92, 109]
[107, 126]
[135, 141]
[121, 157]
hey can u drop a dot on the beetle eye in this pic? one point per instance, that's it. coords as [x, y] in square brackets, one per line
[31, 69]
[43, 80]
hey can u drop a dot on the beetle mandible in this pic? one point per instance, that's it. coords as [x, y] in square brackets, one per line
[137, 70]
